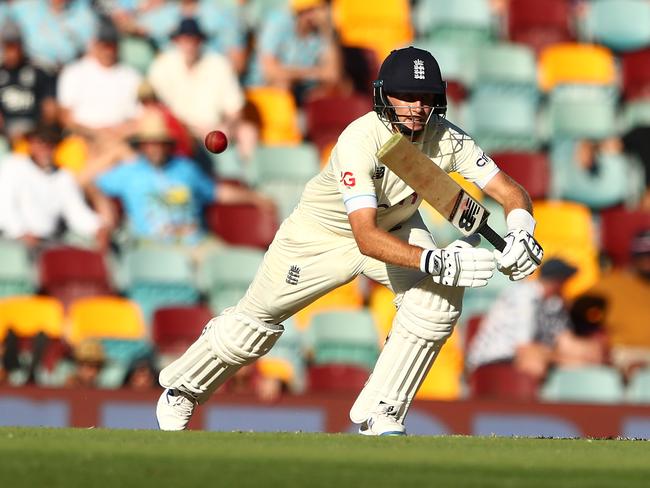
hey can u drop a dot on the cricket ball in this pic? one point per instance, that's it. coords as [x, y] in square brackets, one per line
[216, 141]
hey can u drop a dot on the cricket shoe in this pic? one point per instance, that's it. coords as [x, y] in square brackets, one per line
[174, 410]
[382, 422]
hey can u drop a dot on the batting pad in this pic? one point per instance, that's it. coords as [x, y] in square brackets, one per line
[421, 326]
[228, 342]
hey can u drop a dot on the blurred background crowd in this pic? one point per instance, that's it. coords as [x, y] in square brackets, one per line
[122, 236]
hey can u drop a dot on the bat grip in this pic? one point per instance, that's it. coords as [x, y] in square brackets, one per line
[493, 238]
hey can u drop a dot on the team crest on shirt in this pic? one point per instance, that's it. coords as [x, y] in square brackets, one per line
[379, 173]
[418, 69]
[293, 275]
[348, 179]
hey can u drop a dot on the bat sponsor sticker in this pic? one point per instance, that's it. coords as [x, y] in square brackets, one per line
[468, 214]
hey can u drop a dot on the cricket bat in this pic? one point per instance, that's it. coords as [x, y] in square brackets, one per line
[437, 188]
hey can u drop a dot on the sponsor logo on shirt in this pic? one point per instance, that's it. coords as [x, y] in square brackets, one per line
[348, 179]
[379, 173]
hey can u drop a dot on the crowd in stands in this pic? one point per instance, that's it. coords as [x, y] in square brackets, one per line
[121, 235]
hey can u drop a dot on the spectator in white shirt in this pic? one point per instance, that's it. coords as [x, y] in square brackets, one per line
[36, 197]
[201, 88]
[98, 95]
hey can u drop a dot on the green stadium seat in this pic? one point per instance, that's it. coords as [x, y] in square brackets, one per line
[507, 66]
[159, 276]
[228, 165]
[513, 129]
[137, 53]
[465, 21]
[596, 384]
[226, 274]
[635, 114]
[344, 337]
[457, 61]
[580, 111]
[284, 163]
[16, 271]
[638, 389]
[621, 25]
[290, 347]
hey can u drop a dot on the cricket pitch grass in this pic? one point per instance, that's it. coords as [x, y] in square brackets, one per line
[41, 457]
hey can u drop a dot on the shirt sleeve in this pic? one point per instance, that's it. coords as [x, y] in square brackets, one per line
[10, 221]
[232, 92]
[353, 165]
[112, 182]
[472, 162]
[67, 88]
[204, 187]
[77, 214]
[272, 33]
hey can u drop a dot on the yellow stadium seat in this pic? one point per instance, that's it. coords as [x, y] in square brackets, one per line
[382, 26]
[565, 230]
[105, 317]
[382, 309]
[278, 115]
[29, 315]
[71, 154]
[443, 382]
[576, 63]
[346, 297]
[276, 368]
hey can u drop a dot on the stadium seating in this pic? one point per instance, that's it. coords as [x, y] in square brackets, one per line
[472, 326]
[346, 297]
[69, 273]
[278, 115]
[507, 66]
[242, 224]
[595, 384]
[104, 318]
[26, 316]
[226, 274]
[539, 23]
[565, 230]
[636, 113]
[136, 52]
[175, 328]
[382, 28]
[531, 170]
[458, 21]
[336, 378]
[574, 63]
[503, 382]
[382, 308]
[16, 274]
[457, 63]
[635, 71]
[638, 388]
[621, 25]
[286, 360]
[343, 337]
[444, 379]
[582, 112]
[327, 116]
[618, 227]
[228, 165]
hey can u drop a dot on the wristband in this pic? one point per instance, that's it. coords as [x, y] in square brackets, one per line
[521, 219]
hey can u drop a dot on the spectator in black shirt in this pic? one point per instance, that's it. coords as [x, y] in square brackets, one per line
[27, 92]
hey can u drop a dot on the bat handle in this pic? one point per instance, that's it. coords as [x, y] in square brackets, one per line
[493, 238]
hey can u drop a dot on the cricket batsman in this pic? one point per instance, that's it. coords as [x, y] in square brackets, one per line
[357, 217]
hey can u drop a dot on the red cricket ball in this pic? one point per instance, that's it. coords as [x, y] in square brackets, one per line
[216, 141]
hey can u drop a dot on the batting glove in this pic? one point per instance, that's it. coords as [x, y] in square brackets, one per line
[521, 256]
[459, 264]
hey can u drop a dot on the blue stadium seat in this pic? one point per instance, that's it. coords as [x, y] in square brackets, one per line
[458, 21]
[16, 272]
[508, 67]
[638, 389]
[596, 384]
[621, 25]
[582, 111]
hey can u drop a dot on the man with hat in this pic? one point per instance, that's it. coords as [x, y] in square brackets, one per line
[626, 291]
[296, 49]
[27, 93]
[37, 197]
[357, 217]
[163, 194]
[201, 88]
[522, 326]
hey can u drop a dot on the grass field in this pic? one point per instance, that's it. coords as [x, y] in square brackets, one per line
[33, 457]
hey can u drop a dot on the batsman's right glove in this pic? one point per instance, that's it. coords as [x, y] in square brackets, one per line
[459, 264]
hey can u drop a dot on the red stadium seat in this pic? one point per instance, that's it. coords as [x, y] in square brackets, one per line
[618, 227]
[471, 329]
[336, 378]
[635, 69]
[531, 170]
[328, 116]
[68, 273]
[503, 382]
[175, 328]
[539, 23]
[242, 225]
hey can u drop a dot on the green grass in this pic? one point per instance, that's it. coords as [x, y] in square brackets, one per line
[118, 458]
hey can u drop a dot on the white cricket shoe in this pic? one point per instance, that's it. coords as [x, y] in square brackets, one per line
[382, 422]
[174, 410]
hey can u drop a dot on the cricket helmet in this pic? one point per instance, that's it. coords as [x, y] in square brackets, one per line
[409, 70]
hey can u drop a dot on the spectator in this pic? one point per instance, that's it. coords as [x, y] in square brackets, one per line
[56, 31]
[296, 49]
[98, 95]
[524, 323]
[627, 292]
[89, 360]
[222, 25]
[598, 174]
[636, 142]
[202, 89]
[27, 93]
[141, 376]
[163, 195]
[35, 196]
